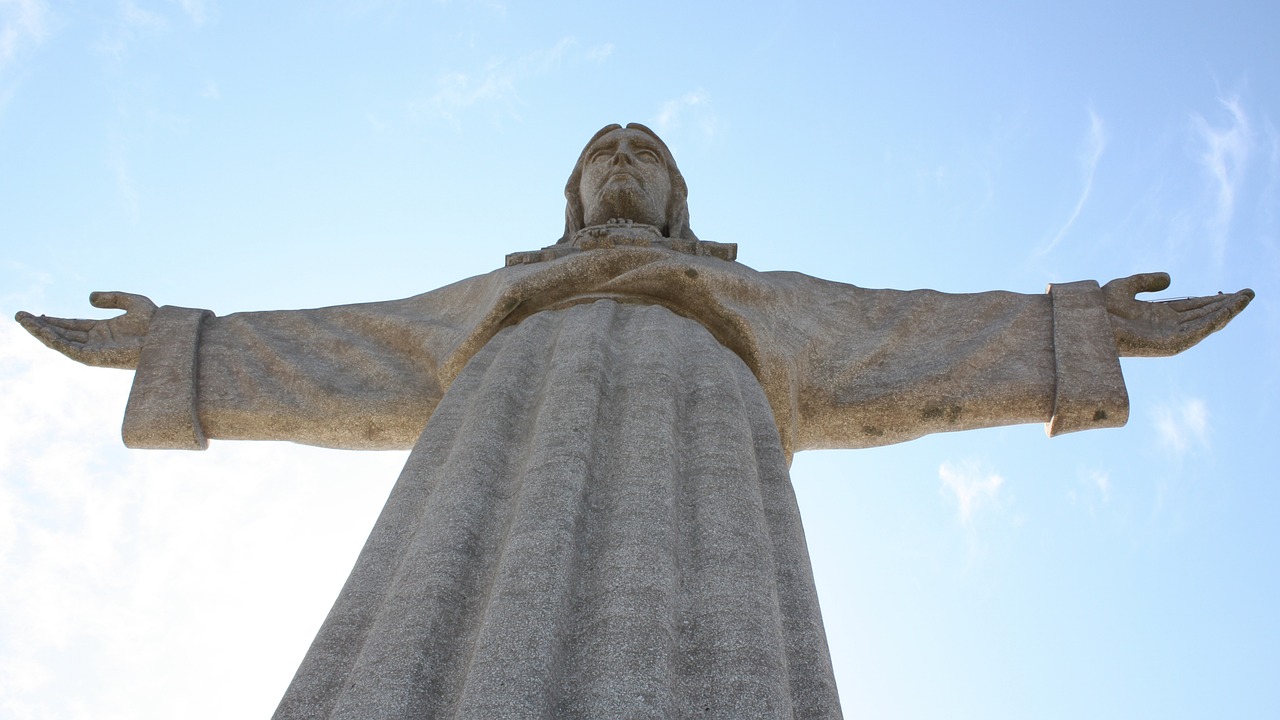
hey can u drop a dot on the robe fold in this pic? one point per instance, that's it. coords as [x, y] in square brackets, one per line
[597, 519]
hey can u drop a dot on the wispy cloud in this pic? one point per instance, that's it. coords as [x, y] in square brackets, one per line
[1094, 490]
[498, 9]
[134, 16]
[1101, 480]
[1270, 195]
[1095, 142]
[494, 85]
[132, 579]
[600, 52]
[972, 488]
[130, 22]
[1225, 153]
[695, 102]
[1183, 425]
[196, 10]
[126, 189]
[21, 22]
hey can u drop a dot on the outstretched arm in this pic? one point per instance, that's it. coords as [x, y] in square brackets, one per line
[115, 342]
[1164, 327]
[357, 376]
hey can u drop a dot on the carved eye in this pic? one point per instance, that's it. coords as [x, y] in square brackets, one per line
[598, 155]
[648, 156]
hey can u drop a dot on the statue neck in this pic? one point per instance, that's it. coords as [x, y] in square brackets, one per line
[622, 233]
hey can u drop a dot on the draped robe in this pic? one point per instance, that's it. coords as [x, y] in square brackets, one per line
[596, 519]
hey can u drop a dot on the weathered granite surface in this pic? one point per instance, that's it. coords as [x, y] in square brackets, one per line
[596, 518]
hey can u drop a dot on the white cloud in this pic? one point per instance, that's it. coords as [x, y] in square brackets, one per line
[972, 488]
[1225, 158]
[1091, 153]
[1101, 480]
[1095, 490]
[498, 9]
[195, 10]
[126, 189]
[600, 52]
[493, 85]
[131, 21]
[672, 114]
[211, 90]
[1183, 425]
[21, 21]
[135, 580]
[133, 16]
[1271, 192]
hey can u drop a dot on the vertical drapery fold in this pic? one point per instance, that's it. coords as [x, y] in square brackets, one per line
[596, 522]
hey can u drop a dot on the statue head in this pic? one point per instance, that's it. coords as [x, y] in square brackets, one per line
[627, 173]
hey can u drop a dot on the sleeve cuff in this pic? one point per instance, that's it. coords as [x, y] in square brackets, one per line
[161, 413]
[1088, 386]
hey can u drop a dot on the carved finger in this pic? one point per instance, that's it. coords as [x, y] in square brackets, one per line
[69, 323]
[111, 300]
[76, 337]
[77, 344]
[1192, 302]
[1216, 303]
[47, 332]
[30, 322]
[1237, 301]
[79, 337]
[1200, 328]
[52, 338]
[1146, 282]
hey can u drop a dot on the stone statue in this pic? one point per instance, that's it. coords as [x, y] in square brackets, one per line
[596, 519]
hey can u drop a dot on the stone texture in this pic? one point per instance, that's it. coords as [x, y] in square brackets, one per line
[841, 366]
[597, 520]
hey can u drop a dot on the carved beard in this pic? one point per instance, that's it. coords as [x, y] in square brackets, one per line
[627, 201]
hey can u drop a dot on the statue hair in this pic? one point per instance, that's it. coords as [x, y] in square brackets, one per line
[677, 205]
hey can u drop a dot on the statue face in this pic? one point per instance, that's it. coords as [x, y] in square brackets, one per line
[626, 177]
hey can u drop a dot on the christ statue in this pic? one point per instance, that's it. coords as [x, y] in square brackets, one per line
[596, 519]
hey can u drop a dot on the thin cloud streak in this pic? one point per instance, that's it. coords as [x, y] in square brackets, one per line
[131, 21]
[21, 21]
[1094, 145]
[970, 487]
[1225, 159]
[195, 10]
[1094, 491]
[673, 112]
[1102, 481]
[600, 53]
[1183, 426]
[495, 84]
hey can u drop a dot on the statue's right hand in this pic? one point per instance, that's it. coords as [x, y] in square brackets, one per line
[116, 342]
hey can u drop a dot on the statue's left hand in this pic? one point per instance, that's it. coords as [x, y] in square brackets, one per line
[1166, 327]
[115, 342]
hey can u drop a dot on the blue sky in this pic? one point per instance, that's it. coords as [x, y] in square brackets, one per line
[241, 156]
